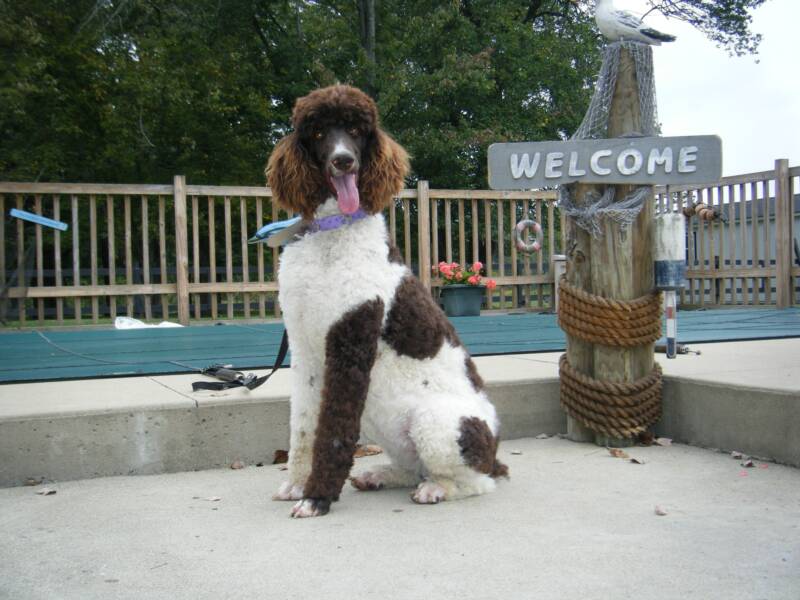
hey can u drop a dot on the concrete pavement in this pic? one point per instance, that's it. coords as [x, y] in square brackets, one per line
[573, 522]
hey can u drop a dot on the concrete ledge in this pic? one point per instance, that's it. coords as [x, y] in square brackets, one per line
[146, 425]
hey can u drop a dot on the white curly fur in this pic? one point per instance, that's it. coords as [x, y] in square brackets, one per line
[323, 276]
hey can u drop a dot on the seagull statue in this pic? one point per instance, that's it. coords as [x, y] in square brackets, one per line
[624, 25]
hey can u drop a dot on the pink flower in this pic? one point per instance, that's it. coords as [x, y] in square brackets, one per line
[477, 266]
[445, 270]
[448, 274]
[491, 284]
[474, 280]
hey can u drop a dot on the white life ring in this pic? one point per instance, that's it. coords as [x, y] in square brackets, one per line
[523, 245]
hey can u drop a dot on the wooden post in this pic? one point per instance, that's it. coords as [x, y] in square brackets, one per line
[181, 250]
[618, 264]
[622, 260]
[784, 218]
[424, 233]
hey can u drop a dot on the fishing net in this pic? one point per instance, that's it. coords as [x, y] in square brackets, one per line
[596, 206]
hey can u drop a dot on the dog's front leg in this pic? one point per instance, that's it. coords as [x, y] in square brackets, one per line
[350, 349]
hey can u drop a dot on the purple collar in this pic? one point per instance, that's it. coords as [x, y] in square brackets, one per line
[335, 221]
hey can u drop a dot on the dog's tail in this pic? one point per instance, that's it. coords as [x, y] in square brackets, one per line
[499, 470]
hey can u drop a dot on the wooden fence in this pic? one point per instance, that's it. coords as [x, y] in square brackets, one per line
[180, 252]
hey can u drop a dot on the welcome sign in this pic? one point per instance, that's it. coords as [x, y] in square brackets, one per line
[641, 161]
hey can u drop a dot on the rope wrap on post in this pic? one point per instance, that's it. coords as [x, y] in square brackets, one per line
[607, 321]
[621, 410]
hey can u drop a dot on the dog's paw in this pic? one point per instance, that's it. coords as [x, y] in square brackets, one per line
[311, 507]
[429, 492]
[367, 481]
[289, 491]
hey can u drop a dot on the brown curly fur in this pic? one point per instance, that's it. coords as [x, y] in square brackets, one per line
[298, 182]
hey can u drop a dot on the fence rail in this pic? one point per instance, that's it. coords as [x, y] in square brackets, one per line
[180, 251]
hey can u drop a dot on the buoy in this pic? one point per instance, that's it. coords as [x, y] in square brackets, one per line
[670, 269]
[523, 245]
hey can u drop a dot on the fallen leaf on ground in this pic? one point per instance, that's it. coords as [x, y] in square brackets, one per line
[748, 462]
[516, 452]
[46, 492]
[283, 468]
[259, 464]
[281, 456]
[617, 453]
[237, 464]
[637, 461]
[542, 436]
[763, 466]
[664, 441]
[367, 450]
[736, 455]
[646, 438]
[32, 481]
[742, 473]
[213, 499]
[660, 511]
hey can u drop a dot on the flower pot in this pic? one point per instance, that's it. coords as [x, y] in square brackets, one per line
[461, 300]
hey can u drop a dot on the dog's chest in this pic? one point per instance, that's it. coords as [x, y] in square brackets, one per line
[326, 274]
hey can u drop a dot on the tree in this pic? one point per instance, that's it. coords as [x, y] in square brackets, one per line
[139, 90]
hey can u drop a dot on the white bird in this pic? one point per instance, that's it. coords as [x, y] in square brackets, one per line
[624, 25]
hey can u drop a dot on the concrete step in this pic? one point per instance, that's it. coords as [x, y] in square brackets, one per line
[742, 396]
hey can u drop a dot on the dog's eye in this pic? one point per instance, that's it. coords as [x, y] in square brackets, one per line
[353, 131]
[318, 135]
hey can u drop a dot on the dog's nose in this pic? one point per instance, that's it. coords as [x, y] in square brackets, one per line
[343, 162]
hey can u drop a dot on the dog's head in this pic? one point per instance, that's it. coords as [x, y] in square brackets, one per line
[337, 149]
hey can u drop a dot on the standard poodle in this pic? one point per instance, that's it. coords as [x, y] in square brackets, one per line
[371, 350]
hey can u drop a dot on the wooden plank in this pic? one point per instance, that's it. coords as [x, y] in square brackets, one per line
[527, 205]
[112, 255]
[719, 255]
[539, 255]
[245, 258]
[22, 274]
[3, 276]
[234, 287]
[701, 242]
[742, 230]
[518, 280]
[181, 250]
[424, 234]
[228, 255]
[489, 194]
[475, 239]
[738, 272]
[551, 248]
[448, 233]
[393, 222]
[89, 291]
[487, 224]
[462, 238]
[733, 180]
[501, 251]
[99, 189]
[755, 243]
[784, 241]
[512, 218]
[262, 305]
[767, 220]
[128, 233]
[162, 252]
[93, 255]
[276, 260]
[731, 226]
[37, 208]
[228, 190]
[59, 278]
[435, 230]
[148, 307]
[198, 309]
[407, 231]
[76, 256]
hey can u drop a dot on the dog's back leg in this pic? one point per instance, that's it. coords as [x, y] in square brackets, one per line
[384, 477]
[457, 453]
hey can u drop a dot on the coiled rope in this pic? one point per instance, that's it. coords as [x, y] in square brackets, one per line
[617, 409]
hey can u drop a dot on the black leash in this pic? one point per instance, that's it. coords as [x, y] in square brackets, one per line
[234, 379]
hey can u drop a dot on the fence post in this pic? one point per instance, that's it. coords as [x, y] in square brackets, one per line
[424, 233]
[181, 249]
[783, 234]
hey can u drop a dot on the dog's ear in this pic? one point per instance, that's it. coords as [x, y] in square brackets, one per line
[383, 173]
[297, 184]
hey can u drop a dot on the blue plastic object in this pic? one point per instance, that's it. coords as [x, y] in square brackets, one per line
[267, 231]
[38, 219]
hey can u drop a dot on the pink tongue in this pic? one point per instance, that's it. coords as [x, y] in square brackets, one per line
[346, 193]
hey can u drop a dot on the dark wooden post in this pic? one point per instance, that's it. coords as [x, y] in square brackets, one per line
[784, 220]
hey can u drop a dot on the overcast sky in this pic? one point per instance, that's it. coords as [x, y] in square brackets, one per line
[753, 106]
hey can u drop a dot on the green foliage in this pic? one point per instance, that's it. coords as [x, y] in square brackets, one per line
[140, 90]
